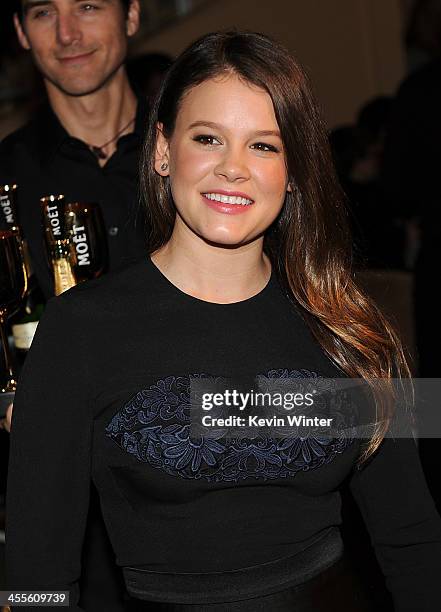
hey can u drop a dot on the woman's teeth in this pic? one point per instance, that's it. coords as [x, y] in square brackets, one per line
[227, 199]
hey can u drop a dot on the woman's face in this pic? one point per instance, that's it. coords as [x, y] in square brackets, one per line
[225, 161]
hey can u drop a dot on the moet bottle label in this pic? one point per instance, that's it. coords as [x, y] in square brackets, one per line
[63, 275]
[81, 242]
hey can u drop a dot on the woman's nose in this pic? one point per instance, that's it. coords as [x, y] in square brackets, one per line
[233, 166]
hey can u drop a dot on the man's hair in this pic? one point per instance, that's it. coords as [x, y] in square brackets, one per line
[18, 6]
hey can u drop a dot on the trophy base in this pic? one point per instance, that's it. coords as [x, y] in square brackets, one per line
[6, 398]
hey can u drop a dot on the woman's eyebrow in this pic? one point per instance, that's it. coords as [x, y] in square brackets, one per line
[216, 126]
[210, 124]
[267, 133]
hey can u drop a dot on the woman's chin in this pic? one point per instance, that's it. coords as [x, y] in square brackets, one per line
[224, 240]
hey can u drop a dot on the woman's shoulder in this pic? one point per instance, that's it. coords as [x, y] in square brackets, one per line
[123, 289]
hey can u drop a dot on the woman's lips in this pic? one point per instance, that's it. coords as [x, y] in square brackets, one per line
[229, 208]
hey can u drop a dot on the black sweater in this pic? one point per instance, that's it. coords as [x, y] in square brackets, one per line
[102, 396]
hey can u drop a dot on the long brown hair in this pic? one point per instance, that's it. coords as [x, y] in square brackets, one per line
[309, 245]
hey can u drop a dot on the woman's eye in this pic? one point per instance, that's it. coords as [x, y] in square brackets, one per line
[205, 139]
[263, 146]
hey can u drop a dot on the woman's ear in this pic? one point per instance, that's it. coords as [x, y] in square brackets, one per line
[162, 160]
[289, 188]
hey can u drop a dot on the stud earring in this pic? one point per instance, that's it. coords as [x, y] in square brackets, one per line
[164, 166]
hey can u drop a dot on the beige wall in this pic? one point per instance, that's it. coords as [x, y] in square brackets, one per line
[351, 48]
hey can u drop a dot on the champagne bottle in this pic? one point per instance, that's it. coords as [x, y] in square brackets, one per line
[8, 212]
[58, 243]
[24, 321]
[25, 324]
[9, 220]
[64, 277]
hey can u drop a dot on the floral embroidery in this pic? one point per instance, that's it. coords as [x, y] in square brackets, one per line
[154, 427]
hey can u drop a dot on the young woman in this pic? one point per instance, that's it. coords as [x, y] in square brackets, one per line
[248, 276]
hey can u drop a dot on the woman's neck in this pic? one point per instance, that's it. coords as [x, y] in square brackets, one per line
[214, 273]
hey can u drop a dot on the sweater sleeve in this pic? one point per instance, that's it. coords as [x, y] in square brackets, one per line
[404, 525]
[50, 457]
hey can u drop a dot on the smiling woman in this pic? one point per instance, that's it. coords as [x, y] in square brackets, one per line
[247, 277]
[230, 166]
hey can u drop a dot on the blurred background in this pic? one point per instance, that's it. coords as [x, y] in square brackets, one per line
[354, 49]
[375, 68]
[356, 52]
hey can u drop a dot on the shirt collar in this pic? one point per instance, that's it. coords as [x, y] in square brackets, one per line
[48, 134]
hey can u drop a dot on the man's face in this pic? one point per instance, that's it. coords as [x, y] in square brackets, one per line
[77, 45]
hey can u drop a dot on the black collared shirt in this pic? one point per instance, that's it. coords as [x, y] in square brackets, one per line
[43, 159]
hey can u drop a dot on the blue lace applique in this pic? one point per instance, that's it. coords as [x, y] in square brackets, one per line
[143, 429]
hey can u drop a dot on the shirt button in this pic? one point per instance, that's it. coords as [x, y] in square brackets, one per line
[113, 231]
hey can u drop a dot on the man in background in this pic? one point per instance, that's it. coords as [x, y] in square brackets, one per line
[84, 143]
